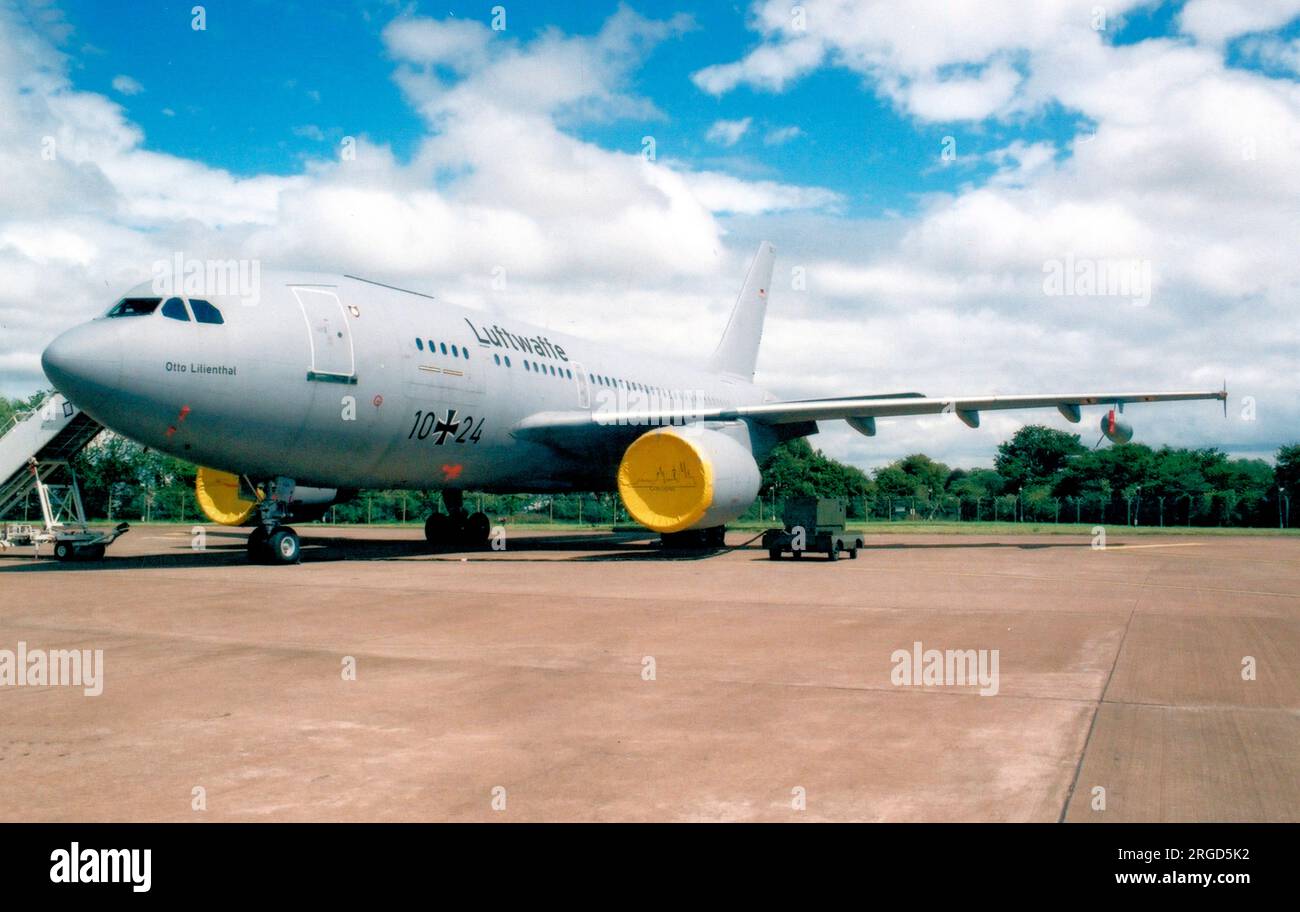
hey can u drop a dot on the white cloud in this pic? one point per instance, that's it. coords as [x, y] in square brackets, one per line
[770, 66]
[943, 61]
[779, 136]
[1217, 21]
[728, 132]
[1274, 52]
[723, 193]
[125, 85]
[958, 98]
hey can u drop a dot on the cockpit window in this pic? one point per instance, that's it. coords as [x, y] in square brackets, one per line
[205, 312]
[135, 307]
[174, 309]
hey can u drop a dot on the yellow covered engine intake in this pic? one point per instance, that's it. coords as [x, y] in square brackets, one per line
[220, 497]
[678, 478]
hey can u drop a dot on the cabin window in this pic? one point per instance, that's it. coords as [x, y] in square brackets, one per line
[174, 309]
[419, 343]
[205, 312]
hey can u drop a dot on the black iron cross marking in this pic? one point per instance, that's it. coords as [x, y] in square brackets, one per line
[445, 427]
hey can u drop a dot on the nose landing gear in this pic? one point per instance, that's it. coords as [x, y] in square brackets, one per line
[270, 542]
[455, 529]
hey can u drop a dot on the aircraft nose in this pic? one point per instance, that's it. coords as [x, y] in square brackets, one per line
[84, 362]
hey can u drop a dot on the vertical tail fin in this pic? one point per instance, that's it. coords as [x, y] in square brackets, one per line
[737, 353]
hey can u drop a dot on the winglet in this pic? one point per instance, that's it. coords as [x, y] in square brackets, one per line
[737, 353]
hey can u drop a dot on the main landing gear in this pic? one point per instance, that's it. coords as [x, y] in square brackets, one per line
[270, 542]
[456, 529]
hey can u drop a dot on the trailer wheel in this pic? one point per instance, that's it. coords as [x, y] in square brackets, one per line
[773, 553]
[94, 552]
[62, 551]
[833, 551]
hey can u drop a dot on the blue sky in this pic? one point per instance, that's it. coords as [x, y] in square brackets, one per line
[250, 93]
[245, 94]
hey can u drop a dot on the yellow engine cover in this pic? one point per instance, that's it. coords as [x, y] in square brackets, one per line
[666, 481]
[220, 498]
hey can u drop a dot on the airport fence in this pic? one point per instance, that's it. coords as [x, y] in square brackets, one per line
[176, 503]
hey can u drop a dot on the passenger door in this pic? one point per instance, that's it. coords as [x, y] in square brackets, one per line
[330, 335]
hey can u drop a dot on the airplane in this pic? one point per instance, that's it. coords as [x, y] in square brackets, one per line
[326, 384]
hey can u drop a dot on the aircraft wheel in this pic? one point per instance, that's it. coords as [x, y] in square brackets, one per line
[477, 529]
[439, 530]
[283, 547]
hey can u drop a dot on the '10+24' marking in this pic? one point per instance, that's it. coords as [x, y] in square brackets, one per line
[427, 423]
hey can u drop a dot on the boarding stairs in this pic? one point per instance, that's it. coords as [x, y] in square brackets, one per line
[36, 448]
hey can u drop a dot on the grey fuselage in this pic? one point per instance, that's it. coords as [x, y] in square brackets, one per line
[321, 379]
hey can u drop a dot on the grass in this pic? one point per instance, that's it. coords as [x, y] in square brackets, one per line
[1011, 528]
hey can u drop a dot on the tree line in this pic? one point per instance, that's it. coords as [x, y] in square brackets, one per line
[1045, 475]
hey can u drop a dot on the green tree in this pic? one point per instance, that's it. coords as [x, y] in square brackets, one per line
[796, 469]
[916, 475]
[1034, 455]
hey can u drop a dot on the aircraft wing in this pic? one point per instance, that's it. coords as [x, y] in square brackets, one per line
[965, 407]
[860, 411]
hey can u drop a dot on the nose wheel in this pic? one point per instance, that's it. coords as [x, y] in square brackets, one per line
[279, 545]
[270, 542]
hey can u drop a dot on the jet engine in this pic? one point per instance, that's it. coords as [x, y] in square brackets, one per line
[1116, 429]
[677, 478]
[226, 499]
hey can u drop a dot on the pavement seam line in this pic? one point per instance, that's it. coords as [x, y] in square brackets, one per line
[1096, 710]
